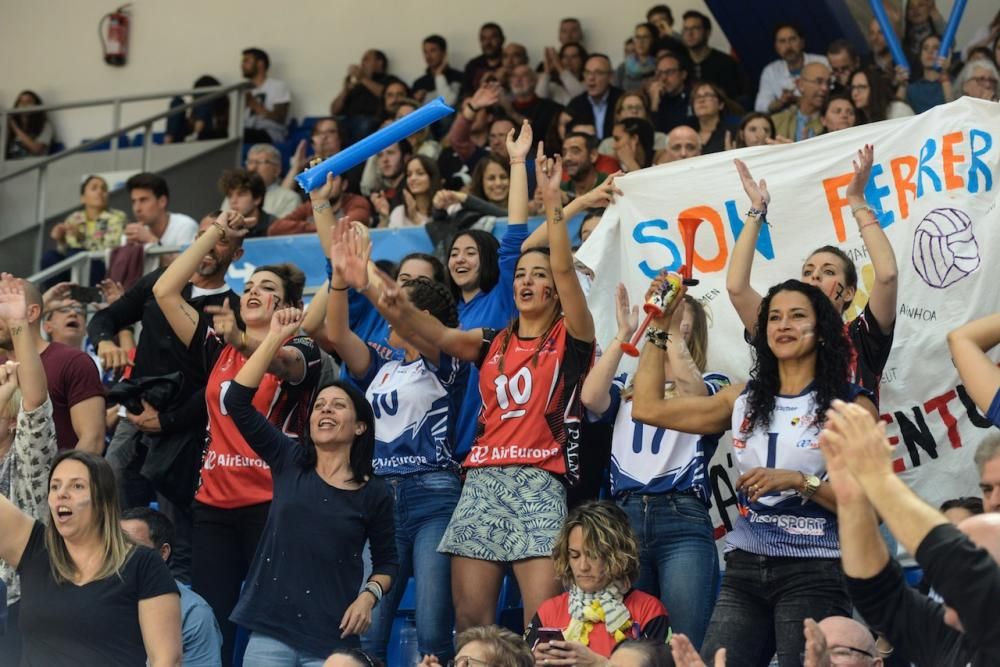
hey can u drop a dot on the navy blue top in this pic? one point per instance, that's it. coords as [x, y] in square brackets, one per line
[994, 412]
[307, 570]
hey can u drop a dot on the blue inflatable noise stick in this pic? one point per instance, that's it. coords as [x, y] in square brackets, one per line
[878, 9]
[949, 31]
[433, 111]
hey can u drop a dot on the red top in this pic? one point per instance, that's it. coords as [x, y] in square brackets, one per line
[531, 411]
[232, 474]
[649, 621]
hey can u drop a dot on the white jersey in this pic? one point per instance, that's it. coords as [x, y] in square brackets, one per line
[783, 523]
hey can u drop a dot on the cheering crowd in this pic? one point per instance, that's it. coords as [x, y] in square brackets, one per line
[456, 421]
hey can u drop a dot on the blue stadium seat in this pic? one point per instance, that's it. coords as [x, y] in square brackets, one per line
[139, 138]
[123, 142]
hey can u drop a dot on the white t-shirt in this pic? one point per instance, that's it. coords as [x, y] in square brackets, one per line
[777, 78]
[181, 230]
[269, 93]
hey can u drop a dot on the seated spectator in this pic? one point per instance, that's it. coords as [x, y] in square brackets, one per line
[968, 345]
[245, 193]
[838, 113]
[201, 639]
[154, 223]
[352, 657]
[266, 104]
[873, 98]
[570, 31]
[525, 104]
[579, 153]
[421, 142]
[880, 57]
[849, 641]
[27, 445]
[265, 161]
[511, 56]
[637, 69]
[958, 510]
[598, 100]
[491, 40]
[422, 182]
[754, 130]
[843, 60]
[486, 199]
[589, 223]
[391, 174]
[208, 120]
[668, 94]
[28, 134]
[978, 79]
[922, 20]
[393, 93]
[777, 80]
[486, 645]
[985, 36]
[710, 64]
[65, 321]
[469, 134]
[440, 78]
[711, 109]
[962, 569]
[327, 139]
[89, 594]
[980, 53]
[683, 142]
[93, 227]
[632, 105]
[663, 18]
[802, 120]
[560, 80]
[597, 557]
[928, 86]
[633, 146]
[358, 99]
[641, 653]
[74, 384]
[988, 461]
[343, 203]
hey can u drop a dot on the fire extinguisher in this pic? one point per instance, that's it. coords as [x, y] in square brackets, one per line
[113, 31]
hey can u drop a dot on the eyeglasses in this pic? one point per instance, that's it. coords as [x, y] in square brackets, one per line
[466, 661]
[596, 72]
[845, 655]
[984, 81]
[668, 72]
[66, 310]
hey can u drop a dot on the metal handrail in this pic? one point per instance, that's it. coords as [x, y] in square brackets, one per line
[143, 97]
[219, 92]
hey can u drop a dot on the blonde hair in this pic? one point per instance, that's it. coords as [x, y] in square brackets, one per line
[104, 500]
[607, 535]
[506, 648]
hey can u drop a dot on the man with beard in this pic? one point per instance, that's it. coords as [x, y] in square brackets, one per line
[525, 104]
[777, 81]
[579, 153]
[491, 43]
[158, 353]
[267, 104]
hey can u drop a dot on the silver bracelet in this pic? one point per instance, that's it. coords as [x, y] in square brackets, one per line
[375, 589]
[321, 206]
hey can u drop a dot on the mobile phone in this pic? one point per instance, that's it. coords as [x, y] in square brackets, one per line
[547, 635]
[86, 294]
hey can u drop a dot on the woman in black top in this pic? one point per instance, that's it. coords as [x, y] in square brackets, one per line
[88, 597]
[304, 581]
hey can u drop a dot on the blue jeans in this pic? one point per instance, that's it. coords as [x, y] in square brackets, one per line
[265, 651]
[763, 602]
[424, 504]
[678, 561]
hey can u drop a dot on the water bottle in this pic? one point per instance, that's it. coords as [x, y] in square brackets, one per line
[409, 653]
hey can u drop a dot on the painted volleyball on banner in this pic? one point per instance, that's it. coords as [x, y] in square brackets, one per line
[944, 247]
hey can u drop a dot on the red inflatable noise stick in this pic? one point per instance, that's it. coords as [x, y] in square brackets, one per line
[654, 308]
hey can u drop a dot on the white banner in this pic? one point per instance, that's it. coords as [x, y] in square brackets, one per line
[935, 183]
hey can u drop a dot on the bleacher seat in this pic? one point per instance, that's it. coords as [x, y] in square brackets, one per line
[140, 138]
[123, 142]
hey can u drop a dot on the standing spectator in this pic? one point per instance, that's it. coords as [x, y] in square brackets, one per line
[968, 345]
[683, 142]
[201, 638]
[711, 110]
[491, 40]
[776, 574]
[342, 203]
[923, 20]
[659, 477]
[843, 60]
[358, 99]
[597, 102]
[440, 79]
[662, 17]
[28, 134]
[154, 223]
[245, 193]
[880, 57]
[74, 383]
[560, 80]
[27, 446]
[96, 226]
[801, 120]
[327, 502]
[267, 103]
[635, 72]
[978, 79]
[597, 558]
[525, 104]
[327, 139]
[265, 161]
[777, 80]
[838, 113]
[710, 64]
[873, 98]
[570, 31]
[929, 86]
[668, 95]
[754, 130]
[88, 596]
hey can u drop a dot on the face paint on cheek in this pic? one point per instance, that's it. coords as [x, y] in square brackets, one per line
[547, 292]
[836, 291]
[806, 330]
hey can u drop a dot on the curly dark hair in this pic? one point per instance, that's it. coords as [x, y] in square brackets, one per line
[434, 297]
[833, 352]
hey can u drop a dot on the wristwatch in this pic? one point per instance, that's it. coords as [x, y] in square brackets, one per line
[810, 485]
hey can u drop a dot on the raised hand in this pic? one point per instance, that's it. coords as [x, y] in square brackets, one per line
[58, 292]
[853, 436]
[13, 303]
[224, 323]
[235, 224]
[487, 95]
[8, 381]
[659, 286]
[111, 290]
[685, 654]
[816, 653]
[757, 192]
[628, 317]
[286, 322]
[548, 175]
[518, 150]
[298, 160]
[380, 203]
[328, 190]
[603, 194]
[392, 297]
[445, 198]
[862, 173]
[350, 252]
[137, 232]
